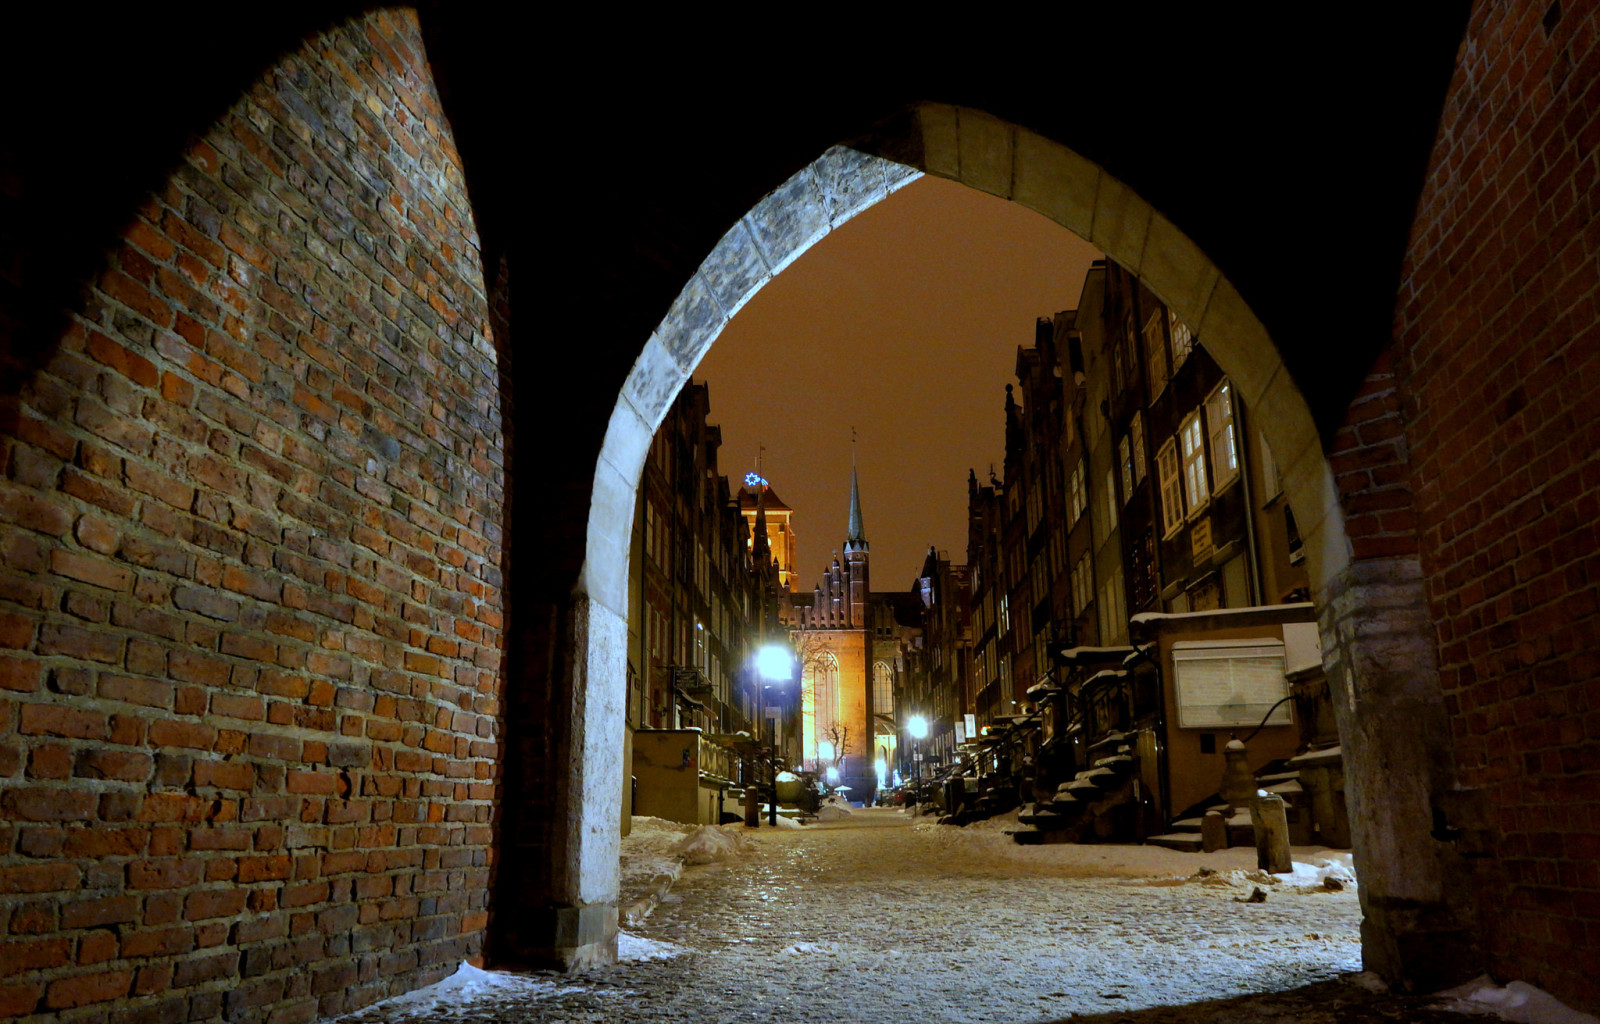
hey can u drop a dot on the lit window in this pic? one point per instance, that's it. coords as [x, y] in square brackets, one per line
[1077, 499]
[1224, 444]
[1182, 338]
[1193, 449]
[1171, 489]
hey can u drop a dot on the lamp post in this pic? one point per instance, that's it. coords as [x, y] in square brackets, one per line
[917, 726]
[774, 666]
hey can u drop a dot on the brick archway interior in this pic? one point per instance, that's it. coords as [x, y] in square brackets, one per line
[1392, 777]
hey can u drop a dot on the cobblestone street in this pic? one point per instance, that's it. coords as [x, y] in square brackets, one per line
[877, 919]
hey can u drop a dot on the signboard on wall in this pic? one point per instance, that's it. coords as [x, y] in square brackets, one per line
[1200, 540]
[1223, 684]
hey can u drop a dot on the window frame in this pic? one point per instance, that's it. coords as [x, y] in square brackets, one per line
[1222, 430]
[1170, 472]
[1196, 487]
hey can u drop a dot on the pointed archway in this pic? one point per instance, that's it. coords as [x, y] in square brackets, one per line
[1389, 708]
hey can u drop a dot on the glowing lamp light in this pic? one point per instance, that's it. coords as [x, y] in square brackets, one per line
[882, 769]
[833, 774]
[917, 727]
[774, 662]
[825, 750]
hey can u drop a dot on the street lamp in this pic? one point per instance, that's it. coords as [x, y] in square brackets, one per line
[917, 726]
[775, 666]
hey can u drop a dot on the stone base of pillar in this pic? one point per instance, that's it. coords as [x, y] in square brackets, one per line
[558, 938]
[1420, 927]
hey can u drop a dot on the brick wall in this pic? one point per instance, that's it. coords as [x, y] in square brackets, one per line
[250, 574]
[1499, 341]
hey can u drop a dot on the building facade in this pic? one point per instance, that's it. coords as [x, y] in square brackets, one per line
[857, 649]
[704, 598]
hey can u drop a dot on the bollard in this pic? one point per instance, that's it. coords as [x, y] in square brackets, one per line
[1271, 827]
[1238, 781]
[1213, 832]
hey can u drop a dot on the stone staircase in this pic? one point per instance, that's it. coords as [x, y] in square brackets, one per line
[1083, 808]
[1277, 778]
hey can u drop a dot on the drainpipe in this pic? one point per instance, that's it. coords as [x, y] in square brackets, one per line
[1249, 498]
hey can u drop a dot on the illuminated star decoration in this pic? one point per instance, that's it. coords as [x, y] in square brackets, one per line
[754, 480]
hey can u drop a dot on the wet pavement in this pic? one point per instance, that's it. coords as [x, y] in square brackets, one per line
[874, 919]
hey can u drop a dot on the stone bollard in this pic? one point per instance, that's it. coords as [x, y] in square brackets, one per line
[1213, 832]
[1238, 781]
[1271, 826]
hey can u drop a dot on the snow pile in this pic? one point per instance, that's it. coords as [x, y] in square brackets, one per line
[1518, 1002]
[834, 808]
[469, 983]
[788, 777]
[637, 947]
[708, 844]
[782, 822]
[647, 849]
[1334, 871]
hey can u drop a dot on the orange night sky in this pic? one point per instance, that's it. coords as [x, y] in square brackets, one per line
[904, 324]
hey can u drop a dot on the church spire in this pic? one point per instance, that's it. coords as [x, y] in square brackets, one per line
[856, 537]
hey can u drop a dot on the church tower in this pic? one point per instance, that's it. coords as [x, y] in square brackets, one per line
[855, 555]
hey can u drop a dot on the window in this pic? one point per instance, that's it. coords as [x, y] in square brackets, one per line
[1125, 461]
[1193, 449]
[1113, 616]
[1082, 589]
[1003, 620]
[1182, 338]
[1229, 683]
[1077, 498]
[1155, 344]
[1141, 468]
[1171, 489]
[882, 688]
[1224, 442]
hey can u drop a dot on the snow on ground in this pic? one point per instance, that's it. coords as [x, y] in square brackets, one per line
[884, 918]
[1518, 1001]
[637, 947]
[469, 985]
[708, 844]
[878, 918]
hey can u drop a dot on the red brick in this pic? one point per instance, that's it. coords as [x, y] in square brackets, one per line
[164, 873]
[20, 674]
[81, 990]
[61, 720]
[37, 803]
[96, 913]
[34, 955]
[39, 878]
[128, 363]
[19, 1000]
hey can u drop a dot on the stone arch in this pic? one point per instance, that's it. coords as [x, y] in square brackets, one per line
[1379, 651]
